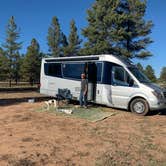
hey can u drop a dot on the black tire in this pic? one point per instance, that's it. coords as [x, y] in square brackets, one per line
[139, 106]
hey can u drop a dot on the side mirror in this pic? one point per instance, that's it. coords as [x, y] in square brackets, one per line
[131, 83]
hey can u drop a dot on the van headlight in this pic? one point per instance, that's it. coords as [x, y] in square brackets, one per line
[157, 94]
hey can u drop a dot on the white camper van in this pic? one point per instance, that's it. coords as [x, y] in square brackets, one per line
[112, 81]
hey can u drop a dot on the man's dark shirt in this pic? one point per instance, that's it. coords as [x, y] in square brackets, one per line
[84, 83]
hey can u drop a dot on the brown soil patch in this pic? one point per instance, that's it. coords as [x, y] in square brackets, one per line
[30, 138]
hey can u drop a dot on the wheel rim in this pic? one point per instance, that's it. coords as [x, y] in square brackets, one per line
[139, 107]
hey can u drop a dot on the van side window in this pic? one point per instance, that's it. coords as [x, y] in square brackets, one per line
[120, 76]
[73, 70]
[53, 69]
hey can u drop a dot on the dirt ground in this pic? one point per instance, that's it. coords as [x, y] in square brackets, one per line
[18, 95]
[31, 138]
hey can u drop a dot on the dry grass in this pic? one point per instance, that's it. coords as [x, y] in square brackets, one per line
[36, 138]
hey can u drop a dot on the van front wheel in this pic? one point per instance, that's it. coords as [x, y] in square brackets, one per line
[139, 106]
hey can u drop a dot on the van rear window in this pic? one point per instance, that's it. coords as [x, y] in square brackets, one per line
[53, 69]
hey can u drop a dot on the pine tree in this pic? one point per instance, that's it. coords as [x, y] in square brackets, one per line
[21, 63]
[118, 27]
[64, 43]
[163, 75]
[135, 29]
[54, 37]
[98, 31]
[31, 63]
[4, 66]
[74, 42]
[16, 67]
[140, 67]
[149, 71]
[12, 47]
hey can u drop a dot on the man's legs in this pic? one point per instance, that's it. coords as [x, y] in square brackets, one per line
[81, 99]
[85, 100]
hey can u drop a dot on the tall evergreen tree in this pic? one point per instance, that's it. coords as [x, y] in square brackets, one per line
[31, 64]
[163, 75]
[12, 47]
[64, 44]
[21, 63]
[140, 67]
[98, 31]
[74, 42]
[118, 27]
[149, 71]
[16, 67]
[4, 66]
[54, 38]
[64, 41]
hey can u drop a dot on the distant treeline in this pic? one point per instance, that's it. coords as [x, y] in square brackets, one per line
[114, 27]
[150, 73]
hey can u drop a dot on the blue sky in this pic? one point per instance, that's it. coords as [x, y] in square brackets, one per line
[34, 17]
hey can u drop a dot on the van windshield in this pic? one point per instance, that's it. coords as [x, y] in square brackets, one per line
[139, 75]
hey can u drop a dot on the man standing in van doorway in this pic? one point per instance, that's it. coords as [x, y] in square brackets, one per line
[84, 91]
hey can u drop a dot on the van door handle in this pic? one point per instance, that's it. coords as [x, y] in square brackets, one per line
[98, 91]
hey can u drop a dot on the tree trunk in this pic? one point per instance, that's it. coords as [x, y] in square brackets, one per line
[10, 82]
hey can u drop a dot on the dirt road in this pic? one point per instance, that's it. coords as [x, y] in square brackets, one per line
[28, 138]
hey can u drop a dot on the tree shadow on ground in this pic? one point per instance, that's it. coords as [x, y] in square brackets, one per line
[11, 101]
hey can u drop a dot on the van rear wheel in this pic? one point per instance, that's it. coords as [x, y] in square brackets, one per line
[139, 106]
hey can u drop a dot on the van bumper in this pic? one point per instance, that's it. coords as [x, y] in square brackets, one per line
[160, 105]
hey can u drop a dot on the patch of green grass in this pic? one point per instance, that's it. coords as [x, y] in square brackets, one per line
[92, 114]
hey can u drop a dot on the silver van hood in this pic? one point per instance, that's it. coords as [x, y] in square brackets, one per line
[154, 86]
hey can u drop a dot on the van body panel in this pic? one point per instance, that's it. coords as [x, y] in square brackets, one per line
[108, 93]
[122, 94]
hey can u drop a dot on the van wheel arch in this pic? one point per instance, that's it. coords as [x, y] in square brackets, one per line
[139, 101]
